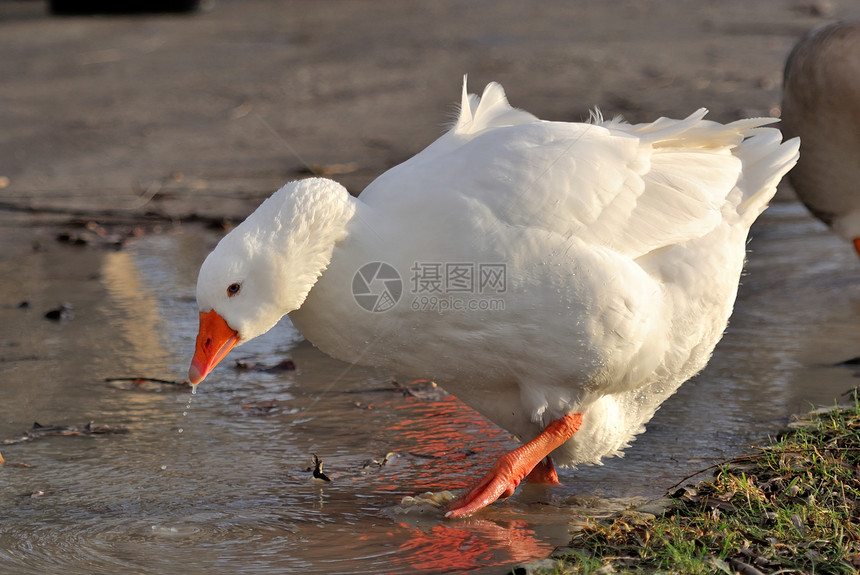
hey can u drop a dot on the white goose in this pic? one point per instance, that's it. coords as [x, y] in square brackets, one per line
[821, 104]
[616, 251]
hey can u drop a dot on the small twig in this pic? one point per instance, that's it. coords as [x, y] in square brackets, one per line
[807, 449]
[11, 464]
[21, 358]
[743, 568]
[740, 459]
[139, 380]
[38, 431]
[112, 215]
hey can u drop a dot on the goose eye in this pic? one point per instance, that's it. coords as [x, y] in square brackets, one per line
[233, 289]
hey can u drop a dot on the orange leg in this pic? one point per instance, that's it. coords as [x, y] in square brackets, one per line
[513, 466]
[544, 472]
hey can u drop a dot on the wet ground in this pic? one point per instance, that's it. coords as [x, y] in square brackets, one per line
[149, 128]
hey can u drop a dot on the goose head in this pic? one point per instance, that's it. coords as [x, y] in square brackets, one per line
[266, 266]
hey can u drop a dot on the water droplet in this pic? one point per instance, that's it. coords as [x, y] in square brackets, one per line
[163, 467]
[193, 389]
[187, 406]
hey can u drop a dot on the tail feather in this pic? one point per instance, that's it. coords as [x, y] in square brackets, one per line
[765, 161]
[696, 132]
[764, 158]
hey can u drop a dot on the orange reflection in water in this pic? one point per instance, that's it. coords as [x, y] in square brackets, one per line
[457, 443]
[460, 546]
[459, 446]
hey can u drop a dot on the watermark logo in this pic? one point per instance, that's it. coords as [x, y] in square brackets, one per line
[377, 287]
[436, 278]
[435, 286]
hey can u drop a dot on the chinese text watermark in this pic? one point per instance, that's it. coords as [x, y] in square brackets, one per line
[435, 286]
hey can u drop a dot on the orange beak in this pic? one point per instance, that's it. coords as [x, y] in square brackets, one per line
[214, 339]
[857, 245]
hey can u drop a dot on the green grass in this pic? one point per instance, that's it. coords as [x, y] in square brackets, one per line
[791, 507]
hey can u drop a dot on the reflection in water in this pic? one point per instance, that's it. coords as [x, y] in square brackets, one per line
[455, 444]
[450, 547]
[137, 316]
[450, 436]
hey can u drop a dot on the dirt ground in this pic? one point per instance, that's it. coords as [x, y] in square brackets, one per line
[207, 113]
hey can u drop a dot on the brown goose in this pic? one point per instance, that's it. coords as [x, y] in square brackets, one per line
[821, 104]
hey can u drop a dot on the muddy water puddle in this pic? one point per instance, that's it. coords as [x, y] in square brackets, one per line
[221, 482]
